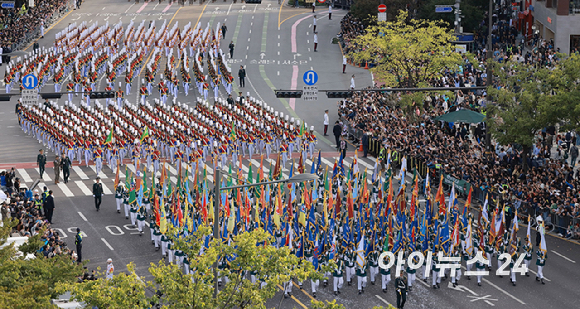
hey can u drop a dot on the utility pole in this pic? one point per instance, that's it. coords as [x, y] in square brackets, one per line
[457, 17]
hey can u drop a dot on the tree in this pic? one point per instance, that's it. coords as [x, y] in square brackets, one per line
[243, 252]
[408, 53]
[472, 11]
[567, 88]
[30, 283]
[524, 103]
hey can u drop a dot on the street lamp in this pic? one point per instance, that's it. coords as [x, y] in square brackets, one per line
[217, 202]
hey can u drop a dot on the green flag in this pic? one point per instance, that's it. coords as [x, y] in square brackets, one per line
[250, 176]
[145, 133]
[152, 190]
[109, 138]
[230, 181]
[144, 183]
[233, 132]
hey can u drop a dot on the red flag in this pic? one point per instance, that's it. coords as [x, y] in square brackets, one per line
[350, 202]
[179, 212]
[468, 201]
[157, 217]
[337, 202]
[204, 209]
[290, 211]
[300, 165]
[277, 168]
[440, 196]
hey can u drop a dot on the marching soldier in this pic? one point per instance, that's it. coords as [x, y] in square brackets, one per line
[119, 193]
[143, 92]
[541, 262]
[119, 96]
[361, 272]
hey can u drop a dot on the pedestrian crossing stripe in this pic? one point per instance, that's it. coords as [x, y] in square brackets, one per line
[80, 172]
[82, 177]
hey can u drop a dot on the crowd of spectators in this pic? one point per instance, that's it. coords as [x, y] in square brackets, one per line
[27, 208]
[16, 24]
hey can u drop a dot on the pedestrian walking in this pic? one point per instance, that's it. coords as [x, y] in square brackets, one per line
[65, 164]
[326, 122]
[330, 12]
[343, 146]
[315, 41]
[314, 23]
[337, 130]
[352, 86]
[42, 29]
[98, 193]
[41, 160]
[242, 76]
[49, 207]
[79, 244]
[110, 269]
[343, 64]
[224, 30]
[56, 166]
[401, 290]
[313, 6]
[232, 49]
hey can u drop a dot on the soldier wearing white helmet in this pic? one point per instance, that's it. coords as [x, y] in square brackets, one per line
[110, 269]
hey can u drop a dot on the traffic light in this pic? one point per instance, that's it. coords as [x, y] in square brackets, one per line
[54, 95]
[338, 94]
[102, 95]
[254, 1]
[288, 94]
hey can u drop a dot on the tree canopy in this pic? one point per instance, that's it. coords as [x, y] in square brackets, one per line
[408, 53]
[174, 289]
[31, 283]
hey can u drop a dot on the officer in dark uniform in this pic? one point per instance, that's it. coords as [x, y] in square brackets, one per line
[401, 290]
[41, 160]
[79, 244]
[98, 192]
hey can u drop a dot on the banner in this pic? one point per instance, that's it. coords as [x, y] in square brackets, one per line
[461, 186]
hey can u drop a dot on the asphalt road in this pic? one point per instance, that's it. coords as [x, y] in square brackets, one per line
[275, 44]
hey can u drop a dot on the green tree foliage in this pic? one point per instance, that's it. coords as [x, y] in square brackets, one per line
[524, 103]
[408, 54]
[30, 283]
[251, 250]
[472, 11]
[566, 87]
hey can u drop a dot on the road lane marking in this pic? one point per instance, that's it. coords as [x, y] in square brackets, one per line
[129, 8]
[383, 300]
[82, 216]
[294, 298]
[45, 174]
[24, 174]
[84, 188]
[65, 190]
[80, 172]
[101, 174]
[106, 189]
[106, 243]
[142, 7]
[564, 257]
[167, 7]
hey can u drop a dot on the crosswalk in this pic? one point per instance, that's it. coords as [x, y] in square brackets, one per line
[82, 178]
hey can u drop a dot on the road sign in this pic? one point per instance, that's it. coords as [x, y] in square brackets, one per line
[310, 93]
[30, 81]
[382, 16]
[443, 9]
[310, 78]
[382, 8]
[7, 4]
[321, 1]
[29, 96]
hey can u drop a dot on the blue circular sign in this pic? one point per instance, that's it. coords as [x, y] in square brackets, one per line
[310, 78]
[29, 81]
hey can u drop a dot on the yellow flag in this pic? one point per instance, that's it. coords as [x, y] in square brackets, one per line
[163, 221]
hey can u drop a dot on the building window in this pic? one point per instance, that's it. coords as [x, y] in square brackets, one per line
[574, 43]
[574, 6]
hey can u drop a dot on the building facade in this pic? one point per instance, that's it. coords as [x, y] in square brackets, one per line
[558, 20]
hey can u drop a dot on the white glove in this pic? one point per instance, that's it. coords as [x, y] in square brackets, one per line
[93, 195]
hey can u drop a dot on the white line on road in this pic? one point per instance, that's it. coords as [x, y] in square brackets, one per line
[84, 188]
[383, 300]
[533, 272]
[44, 176]
[278, 44]
[309, 58]
[278, 53]
[308, 41]
[106, 243]
[503, 291]
[228, 13]
[83, 216]
[564, 257]
[65, 190]
[80, 172]
[255, 8]
[106, 190]
[278, 36]
[101, 174]
[24, 174]
[278, 73]
[129, 8]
